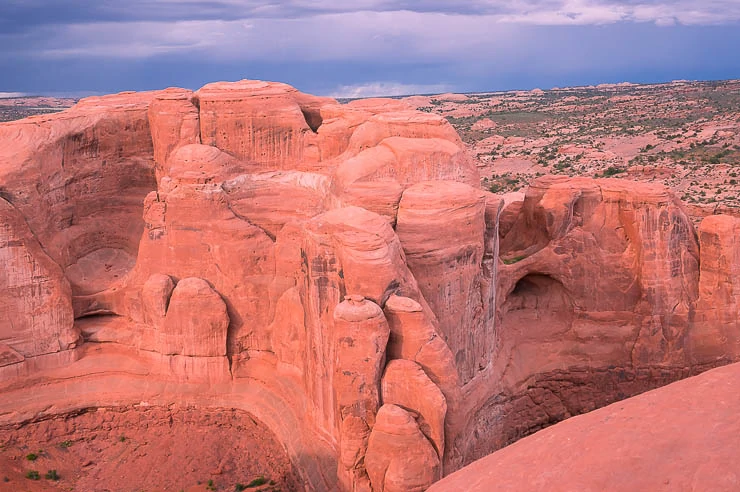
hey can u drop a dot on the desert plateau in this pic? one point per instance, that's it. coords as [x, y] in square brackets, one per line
[248, 287]
[684, 135]
[17, 107]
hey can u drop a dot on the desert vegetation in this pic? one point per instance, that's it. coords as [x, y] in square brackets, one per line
[685, 135]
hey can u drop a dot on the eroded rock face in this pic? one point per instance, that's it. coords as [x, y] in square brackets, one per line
[442, 227]
[360, 338]
[36, 315]
[597, 293]
[716, 321]
[175, 122]
[156, 294]
[406, 385]
[335, 270]
[269, 123]
[196, 321]
[79, 178]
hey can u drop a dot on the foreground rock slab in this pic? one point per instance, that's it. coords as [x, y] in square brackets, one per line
[679, 437]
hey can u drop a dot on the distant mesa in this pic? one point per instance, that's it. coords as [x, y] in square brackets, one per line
[335, 271]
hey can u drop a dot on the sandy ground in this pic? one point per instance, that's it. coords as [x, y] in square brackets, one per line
[144, 449]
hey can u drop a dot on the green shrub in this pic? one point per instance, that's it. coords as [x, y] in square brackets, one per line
[52, 475]
[32, 456]
[612, 170]
[33, 475]
[511, 261]
[257, 482]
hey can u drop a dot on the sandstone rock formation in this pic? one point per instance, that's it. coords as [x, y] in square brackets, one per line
[360, 338]
[335, 271]
[406, 385]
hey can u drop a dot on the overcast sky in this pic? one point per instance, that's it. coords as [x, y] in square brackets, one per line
[363, 47]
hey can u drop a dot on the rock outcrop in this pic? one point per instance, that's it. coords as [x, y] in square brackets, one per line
[597, 290]
[79, 178]
[442, 227]
[335, 271]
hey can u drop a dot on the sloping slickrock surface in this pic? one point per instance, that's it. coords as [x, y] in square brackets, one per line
[682, 437]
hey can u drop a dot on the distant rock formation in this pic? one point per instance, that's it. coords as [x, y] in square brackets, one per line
[336, 271]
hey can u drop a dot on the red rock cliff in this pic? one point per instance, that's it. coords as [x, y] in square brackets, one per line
[336, 271]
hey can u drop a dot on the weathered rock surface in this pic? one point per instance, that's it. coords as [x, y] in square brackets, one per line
[156, 294]
[335, 271]
[360, 338]
[175, 122]
[716, 331]
[272, 124]
[36, 315]
[196, 321]
[597, 290]
[78, 178]
[442, 227]
[413, 337]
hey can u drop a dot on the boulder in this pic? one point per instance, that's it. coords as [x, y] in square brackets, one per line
[399, 456]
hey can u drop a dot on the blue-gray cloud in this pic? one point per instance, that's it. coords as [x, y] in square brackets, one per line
[364, 45]
[19, 14]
